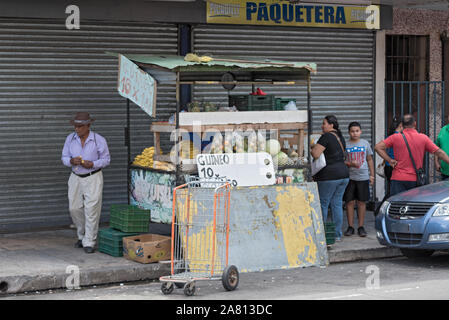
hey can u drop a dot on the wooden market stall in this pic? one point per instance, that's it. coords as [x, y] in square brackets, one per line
[227, 72]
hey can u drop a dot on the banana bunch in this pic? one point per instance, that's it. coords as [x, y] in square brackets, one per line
[165, 166]
[145, 159]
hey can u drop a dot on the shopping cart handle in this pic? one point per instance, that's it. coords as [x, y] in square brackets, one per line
[222, 186]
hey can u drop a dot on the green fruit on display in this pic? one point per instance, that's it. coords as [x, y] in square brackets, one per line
[273, 147]
[209, 107]
[281, 159]
[194, 106]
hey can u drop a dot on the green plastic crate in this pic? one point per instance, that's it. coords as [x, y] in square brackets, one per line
[329, 229]
[111, 250]
[280, 103]
[128, 218]
[252, 103]
[110, 241]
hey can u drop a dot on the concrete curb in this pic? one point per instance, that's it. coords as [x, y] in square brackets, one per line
[363, 254]
[87, 277]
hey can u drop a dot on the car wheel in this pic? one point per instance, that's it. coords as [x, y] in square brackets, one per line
[417, 253]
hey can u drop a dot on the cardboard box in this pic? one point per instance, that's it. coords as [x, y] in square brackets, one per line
[147, 248]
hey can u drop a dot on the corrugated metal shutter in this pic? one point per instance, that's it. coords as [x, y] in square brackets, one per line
[47, 73]
[342, 86]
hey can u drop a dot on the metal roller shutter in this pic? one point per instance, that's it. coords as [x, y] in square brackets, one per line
[343, 85]
[47, 73]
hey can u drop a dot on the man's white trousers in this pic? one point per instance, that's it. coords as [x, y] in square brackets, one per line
[85, 200]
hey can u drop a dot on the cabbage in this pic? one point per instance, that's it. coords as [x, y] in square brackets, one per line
[281, 159]
[273, 147]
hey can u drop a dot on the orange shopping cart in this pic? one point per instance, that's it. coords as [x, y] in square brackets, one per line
[200, 237]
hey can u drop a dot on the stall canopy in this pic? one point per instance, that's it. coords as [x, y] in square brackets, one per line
[165, 67]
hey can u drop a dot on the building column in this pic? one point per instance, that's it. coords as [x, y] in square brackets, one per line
[380, 105]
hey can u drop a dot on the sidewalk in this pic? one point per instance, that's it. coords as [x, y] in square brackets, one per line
[40, 260]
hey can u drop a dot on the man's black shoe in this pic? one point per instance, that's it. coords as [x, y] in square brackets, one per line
[89, 250]
[79, 244]
[349, 231]
[361, 231]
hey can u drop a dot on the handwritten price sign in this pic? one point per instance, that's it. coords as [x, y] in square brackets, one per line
[240, 169]
[137, 85]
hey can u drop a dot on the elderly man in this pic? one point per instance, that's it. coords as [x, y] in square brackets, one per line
[404, 176]
[86, 153]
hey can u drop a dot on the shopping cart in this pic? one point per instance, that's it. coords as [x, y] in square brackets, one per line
[200, 237]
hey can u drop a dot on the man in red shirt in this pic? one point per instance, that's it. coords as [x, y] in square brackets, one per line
[404, 175]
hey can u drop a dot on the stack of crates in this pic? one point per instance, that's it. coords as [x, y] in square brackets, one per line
[125, 220]
[110, 241]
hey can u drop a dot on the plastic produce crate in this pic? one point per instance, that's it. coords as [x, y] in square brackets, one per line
[128, 218]
[252, 103]
[280, 103]
[110, 241]
[329, 229]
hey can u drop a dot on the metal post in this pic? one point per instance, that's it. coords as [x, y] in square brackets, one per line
[309, 119]
[434, 129]
[178, 107]
[443, 109]
[402, 99]
[394, 98]
[410, 98]
[128, 144]
[418, 120]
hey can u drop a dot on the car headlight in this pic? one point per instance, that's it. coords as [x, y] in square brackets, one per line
[384, 207]
[442, 210]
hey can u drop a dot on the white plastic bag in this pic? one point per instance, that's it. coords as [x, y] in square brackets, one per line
[291, 106]
[318, 164]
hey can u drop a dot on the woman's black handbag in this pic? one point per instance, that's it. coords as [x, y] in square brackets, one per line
[421, 177]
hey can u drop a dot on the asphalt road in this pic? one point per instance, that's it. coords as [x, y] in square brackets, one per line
[387, 279]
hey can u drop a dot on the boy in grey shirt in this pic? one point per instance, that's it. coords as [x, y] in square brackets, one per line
[361, 175]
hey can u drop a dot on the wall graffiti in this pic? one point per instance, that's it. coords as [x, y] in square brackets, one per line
[154, 191]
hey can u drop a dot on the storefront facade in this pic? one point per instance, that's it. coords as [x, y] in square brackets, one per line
[410, 73]
[51, 72]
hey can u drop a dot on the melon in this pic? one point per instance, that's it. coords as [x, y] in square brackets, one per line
[273, 147]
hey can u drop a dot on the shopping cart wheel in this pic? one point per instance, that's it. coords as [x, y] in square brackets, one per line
[189, 288]
[230, 278]
[167, 287]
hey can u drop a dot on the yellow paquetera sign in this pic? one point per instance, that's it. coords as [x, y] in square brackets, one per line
[284, 13]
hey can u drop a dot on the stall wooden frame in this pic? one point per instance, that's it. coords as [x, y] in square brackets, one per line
[174, 69]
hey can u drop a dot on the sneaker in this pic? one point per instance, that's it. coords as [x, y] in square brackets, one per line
[349, 231]
[361, 231]
[337, 239]
[79, 244]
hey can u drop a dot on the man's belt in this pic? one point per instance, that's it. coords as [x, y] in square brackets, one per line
[87, 174]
